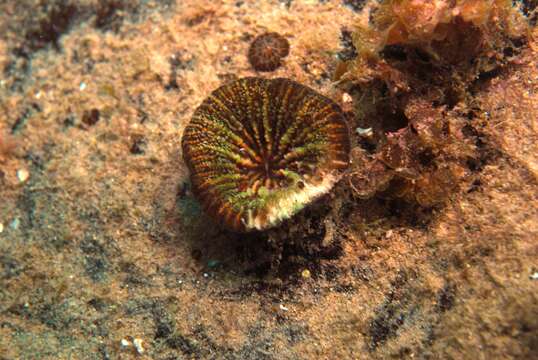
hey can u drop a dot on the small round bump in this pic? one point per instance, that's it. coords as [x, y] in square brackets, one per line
[267, 50]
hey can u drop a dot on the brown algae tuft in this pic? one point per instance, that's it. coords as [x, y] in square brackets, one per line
[267, 50]
[261, 150]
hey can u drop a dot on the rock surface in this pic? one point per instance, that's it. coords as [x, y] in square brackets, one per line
[102, 246]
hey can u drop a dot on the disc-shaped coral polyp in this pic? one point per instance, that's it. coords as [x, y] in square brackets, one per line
[260, 150]
[267, 50]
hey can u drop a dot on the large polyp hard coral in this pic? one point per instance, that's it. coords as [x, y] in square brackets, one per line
[260, 150]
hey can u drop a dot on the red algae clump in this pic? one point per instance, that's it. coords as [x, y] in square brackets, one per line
[448, 31]
[418, 66]
[267, 50]
[261, 150]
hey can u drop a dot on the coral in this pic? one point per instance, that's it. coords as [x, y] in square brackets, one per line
[417, 65]
[260, 150]
[267, 50]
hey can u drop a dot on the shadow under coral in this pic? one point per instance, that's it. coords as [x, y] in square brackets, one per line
[312, 241]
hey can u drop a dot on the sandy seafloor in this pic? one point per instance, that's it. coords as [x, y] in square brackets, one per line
[100, 244]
